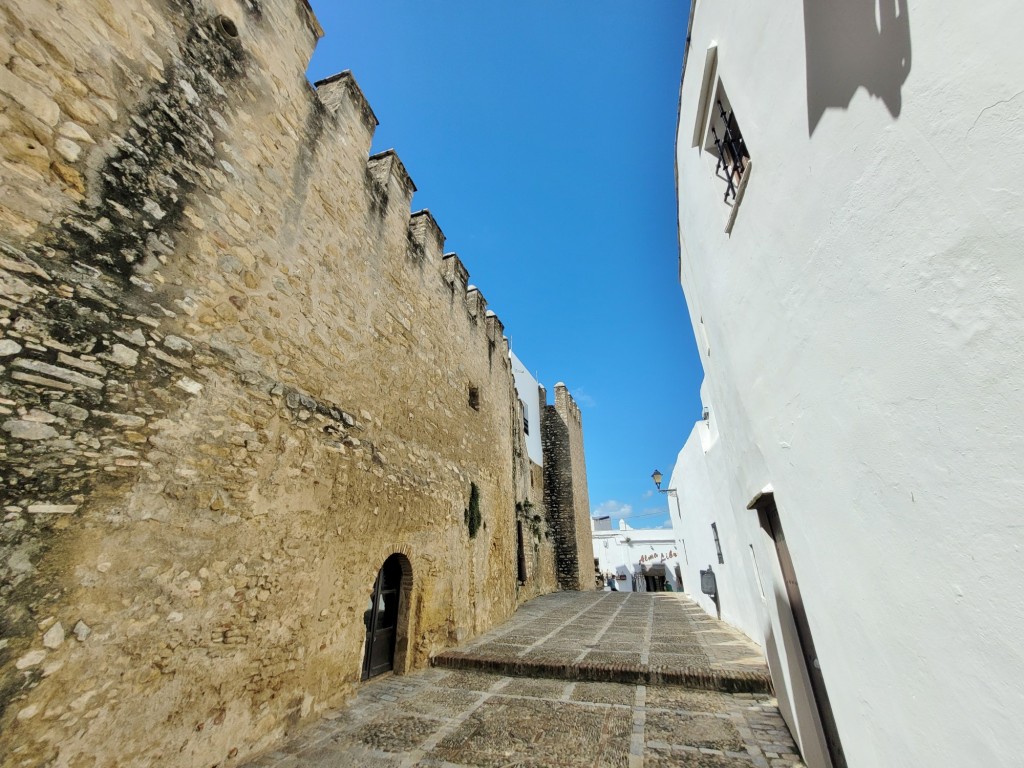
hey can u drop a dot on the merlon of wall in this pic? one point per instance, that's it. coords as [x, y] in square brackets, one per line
[426, 235]
[385, 167]
[566, 405]
[340, 93]
[476, 302]
[495, 329]
[455, 273]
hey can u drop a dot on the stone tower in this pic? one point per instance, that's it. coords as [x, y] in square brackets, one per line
[565, 491]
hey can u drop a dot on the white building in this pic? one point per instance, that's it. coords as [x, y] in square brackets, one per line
[855, 280]
[529, 396]
[638, 559]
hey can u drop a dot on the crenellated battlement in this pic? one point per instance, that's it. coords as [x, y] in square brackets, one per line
[237, 373]
[475, 302]
[495, 328]
[427, 235]
[343, 97]
[566, 405]
[386, 167]
[455, 273]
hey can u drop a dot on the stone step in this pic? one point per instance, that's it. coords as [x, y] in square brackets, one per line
[722, 680]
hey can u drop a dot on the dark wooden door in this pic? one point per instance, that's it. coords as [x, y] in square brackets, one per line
[773, 525]
[381, 619]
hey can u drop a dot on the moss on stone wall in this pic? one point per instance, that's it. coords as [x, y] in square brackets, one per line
[472, 515]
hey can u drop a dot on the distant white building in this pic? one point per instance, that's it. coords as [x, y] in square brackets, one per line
[851, 216]
[637, 559]
[529, 396]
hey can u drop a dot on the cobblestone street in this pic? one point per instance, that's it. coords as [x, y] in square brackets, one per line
[448, 718]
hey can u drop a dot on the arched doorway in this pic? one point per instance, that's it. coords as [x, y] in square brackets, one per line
[383, 617]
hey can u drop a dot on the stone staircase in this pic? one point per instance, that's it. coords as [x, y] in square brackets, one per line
[617, 637]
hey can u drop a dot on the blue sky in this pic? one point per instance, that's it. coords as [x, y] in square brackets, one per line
[540, 135]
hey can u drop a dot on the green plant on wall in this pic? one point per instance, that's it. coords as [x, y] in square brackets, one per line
[524, 507]
[472, 514]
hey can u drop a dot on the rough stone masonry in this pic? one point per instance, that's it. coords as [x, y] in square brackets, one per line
[235, 376]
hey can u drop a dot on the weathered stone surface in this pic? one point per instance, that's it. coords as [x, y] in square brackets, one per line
[135, 336]
[56, 372]
[176, 343]
[21, 429]
[68, 411]
[122, 419]
[52, 509]
[30, 659]
[85, 365]
[35, 101]
[81, 631]
[122, 355]
[9, 347]
[204, 280]
[565, 490]
[54, 637]
[67, 149]
[189, 385]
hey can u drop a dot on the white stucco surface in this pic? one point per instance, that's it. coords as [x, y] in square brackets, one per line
[623, 551]
[860, 330]
[529, 392]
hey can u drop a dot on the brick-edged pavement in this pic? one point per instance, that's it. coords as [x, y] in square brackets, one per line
[455, 718]
[624, 637]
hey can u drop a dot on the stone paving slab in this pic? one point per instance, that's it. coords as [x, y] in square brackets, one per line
[457, 719]
[625, 637]
[464, 717]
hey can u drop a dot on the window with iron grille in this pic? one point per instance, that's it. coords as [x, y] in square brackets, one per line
[726, 146]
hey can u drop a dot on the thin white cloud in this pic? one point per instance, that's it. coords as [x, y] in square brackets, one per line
[583, 400]
[613, 508]
[648, 494]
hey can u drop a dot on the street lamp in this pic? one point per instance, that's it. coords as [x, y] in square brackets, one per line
[656, 476]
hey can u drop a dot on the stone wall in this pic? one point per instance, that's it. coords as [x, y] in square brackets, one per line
[235, 377]
[565, 491]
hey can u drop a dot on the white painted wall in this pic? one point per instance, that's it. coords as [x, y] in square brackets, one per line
[620, 550]
[860, 331]
[702, 481]
[529, 392]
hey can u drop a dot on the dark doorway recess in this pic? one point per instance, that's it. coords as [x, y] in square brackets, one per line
[520, 553]
[381, 619]
[768, 515]
[656, 577]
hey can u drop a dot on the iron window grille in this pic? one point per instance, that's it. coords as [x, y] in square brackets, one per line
[733, 156]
